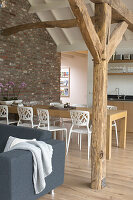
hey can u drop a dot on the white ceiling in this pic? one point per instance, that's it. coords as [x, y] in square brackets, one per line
[66, 39]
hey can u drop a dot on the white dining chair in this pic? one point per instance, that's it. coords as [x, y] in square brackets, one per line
[4, 115]
[44, 123]
[80, 125]
[25, 117]
[114, 122]
[80, 106]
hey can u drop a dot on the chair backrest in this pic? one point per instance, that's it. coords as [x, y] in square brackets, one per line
[43, 117]
[80, 118]
[25, 113]
[111, 107]
[4, 112]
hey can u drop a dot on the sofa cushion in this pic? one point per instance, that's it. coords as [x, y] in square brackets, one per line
[21, 132]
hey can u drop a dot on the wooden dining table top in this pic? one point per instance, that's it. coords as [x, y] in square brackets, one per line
[111, 116]
[65, 112]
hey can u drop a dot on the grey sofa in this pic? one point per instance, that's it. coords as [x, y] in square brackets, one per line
[16, 166]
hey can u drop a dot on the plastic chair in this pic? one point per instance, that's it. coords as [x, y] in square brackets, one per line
[80, 106]
[25, 117]
[80, 125]
[44, 123]
[114, 123]
[4, 115]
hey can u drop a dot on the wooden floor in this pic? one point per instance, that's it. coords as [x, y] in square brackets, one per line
[77, 176]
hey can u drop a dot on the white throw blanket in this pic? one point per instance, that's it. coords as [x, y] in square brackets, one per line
[42, 157]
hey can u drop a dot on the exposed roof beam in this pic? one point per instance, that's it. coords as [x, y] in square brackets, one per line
[52, 5]
[120, 11]
[48, 24]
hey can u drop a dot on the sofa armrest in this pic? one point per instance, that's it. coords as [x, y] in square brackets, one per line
[15, 174]
[16, 171]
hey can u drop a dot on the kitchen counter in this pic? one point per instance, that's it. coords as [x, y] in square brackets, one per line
[124, 105]
[120, 98]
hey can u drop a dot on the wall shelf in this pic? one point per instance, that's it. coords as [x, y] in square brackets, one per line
[124, 69]
[120, 73]
[121, 61]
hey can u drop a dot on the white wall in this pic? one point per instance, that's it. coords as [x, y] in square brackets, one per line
[78, 78]
[123, 82]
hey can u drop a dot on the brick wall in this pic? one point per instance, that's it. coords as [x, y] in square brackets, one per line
[29, 56]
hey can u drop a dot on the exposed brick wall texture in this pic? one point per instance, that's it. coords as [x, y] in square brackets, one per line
[30, 56]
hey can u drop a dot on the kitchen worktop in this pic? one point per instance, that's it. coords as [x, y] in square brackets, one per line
[122, 104]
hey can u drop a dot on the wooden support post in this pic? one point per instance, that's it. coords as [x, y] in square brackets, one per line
[99, 122]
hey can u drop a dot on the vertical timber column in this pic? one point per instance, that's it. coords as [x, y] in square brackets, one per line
[99, 116]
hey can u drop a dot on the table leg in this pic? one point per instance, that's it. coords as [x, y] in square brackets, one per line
[109, 138]
[122, 136]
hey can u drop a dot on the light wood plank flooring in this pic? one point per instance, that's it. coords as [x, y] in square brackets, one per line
[77, 175]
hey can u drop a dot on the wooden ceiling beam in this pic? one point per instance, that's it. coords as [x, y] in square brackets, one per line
[120, 11]
[116, 38]
[47, 24]
[87, 28]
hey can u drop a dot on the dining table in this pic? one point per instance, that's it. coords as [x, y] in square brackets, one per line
[112, 115]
